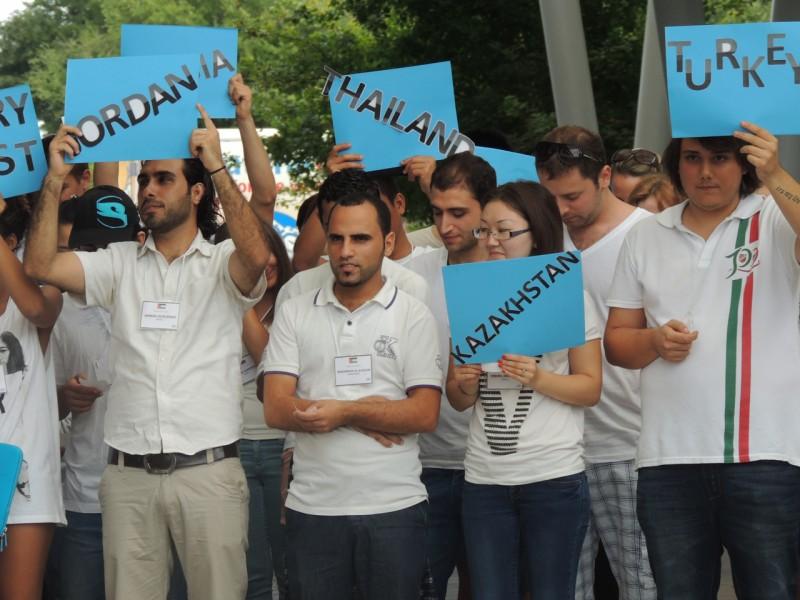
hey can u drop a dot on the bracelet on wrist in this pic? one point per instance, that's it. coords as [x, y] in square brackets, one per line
[215, 171]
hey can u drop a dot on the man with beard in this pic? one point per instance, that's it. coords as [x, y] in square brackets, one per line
[173, 417]
[353, 367]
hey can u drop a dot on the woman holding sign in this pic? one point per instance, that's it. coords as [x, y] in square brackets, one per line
[526, 499]
[28, 414]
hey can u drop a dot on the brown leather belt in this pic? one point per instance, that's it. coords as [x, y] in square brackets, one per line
[165, 463]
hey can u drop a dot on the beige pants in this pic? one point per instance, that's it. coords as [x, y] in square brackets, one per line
[204, 509]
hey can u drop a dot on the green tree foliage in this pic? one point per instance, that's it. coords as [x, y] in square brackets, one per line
[496, 48]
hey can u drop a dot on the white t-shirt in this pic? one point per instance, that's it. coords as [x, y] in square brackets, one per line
[344, 472]
[518, 436]
[734, 398]
[80, 342]
[445, 447]
[611, 428]
[29, 419]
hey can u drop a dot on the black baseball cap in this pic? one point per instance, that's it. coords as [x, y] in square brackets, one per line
[103, 215]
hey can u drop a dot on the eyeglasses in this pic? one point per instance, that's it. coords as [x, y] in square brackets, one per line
[567, 153]
[635, 156]
[482, 233]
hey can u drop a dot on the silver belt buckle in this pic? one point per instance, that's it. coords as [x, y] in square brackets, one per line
[160, 470]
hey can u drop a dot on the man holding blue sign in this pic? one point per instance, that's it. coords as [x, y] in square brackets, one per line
[704, 300]
[173, 412]
[572, 165]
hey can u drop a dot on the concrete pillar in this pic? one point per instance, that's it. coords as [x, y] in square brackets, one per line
[568, 63]
[653, 129]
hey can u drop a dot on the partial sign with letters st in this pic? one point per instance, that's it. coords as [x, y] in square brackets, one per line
[523, 306]
[216, 55]
[132, 108]
[22, 160]
[719, 75]
[393, 114]
[509, 166]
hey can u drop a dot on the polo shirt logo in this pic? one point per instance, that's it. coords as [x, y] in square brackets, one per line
[743, 260]
[383, 346]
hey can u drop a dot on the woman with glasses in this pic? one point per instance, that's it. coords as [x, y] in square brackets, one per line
[526, 499]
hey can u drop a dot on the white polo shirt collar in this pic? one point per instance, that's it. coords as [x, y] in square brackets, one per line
[385, 296]
[199, 244]
[673, 216]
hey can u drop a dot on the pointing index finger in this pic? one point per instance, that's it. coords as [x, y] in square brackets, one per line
[206, 119]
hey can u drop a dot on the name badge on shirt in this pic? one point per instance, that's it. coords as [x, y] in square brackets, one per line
[353, 370]
[497, 380]
[160, 315]
[249, 369]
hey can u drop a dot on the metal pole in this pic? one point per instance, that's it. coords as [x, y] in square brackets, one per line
[568, 63]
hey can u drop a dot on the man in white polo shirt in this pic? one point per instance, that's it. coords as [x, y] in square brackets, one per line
[173, 414]
[353, 360]
[704, 300]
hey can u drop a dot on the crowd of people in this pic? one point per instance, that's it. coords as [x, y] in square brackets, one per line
[237, 418]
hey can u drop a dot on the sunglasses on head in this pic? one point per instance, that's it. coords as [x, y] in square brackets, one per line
[638, 156]
[567, 153]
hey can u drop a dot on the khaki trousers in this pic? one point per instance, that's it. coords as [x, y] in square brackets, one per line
[203, 509]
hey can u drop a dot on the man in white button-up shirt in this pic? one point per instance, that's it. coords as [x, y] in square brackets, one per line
[351, 364]
[173, 415]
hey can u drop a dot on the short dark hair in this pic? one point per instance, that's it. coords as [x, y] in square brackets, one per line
[16, 357]
[387, 186]
[77, 170]
[343, 183]
[586, 140]
[538, 207]
[359, 198]
[465, 170]
[306, 210]
[16, 218]
[726, 143]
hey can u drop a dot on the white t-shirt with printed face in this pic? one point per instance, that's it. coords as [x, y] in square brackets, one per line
[80, 342]
[611, 428]
[518, 437]
[29, 420]
[734, 398]
[344, 472]
[445, 447]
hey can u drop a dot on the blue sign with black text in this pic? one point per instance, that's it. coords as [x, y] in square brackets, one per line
[720, 75]
[397, 113]
[216, 50]
[22, 161]
[144, 109]
[523, 306]
[509, 166]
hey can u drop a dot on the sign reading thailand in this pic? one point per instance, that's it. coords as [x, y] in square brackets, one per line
[22, 160]
[132, 108]
[393, 114]
[509, 166]
[216, 50]
[523, 306]
[720, 75]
